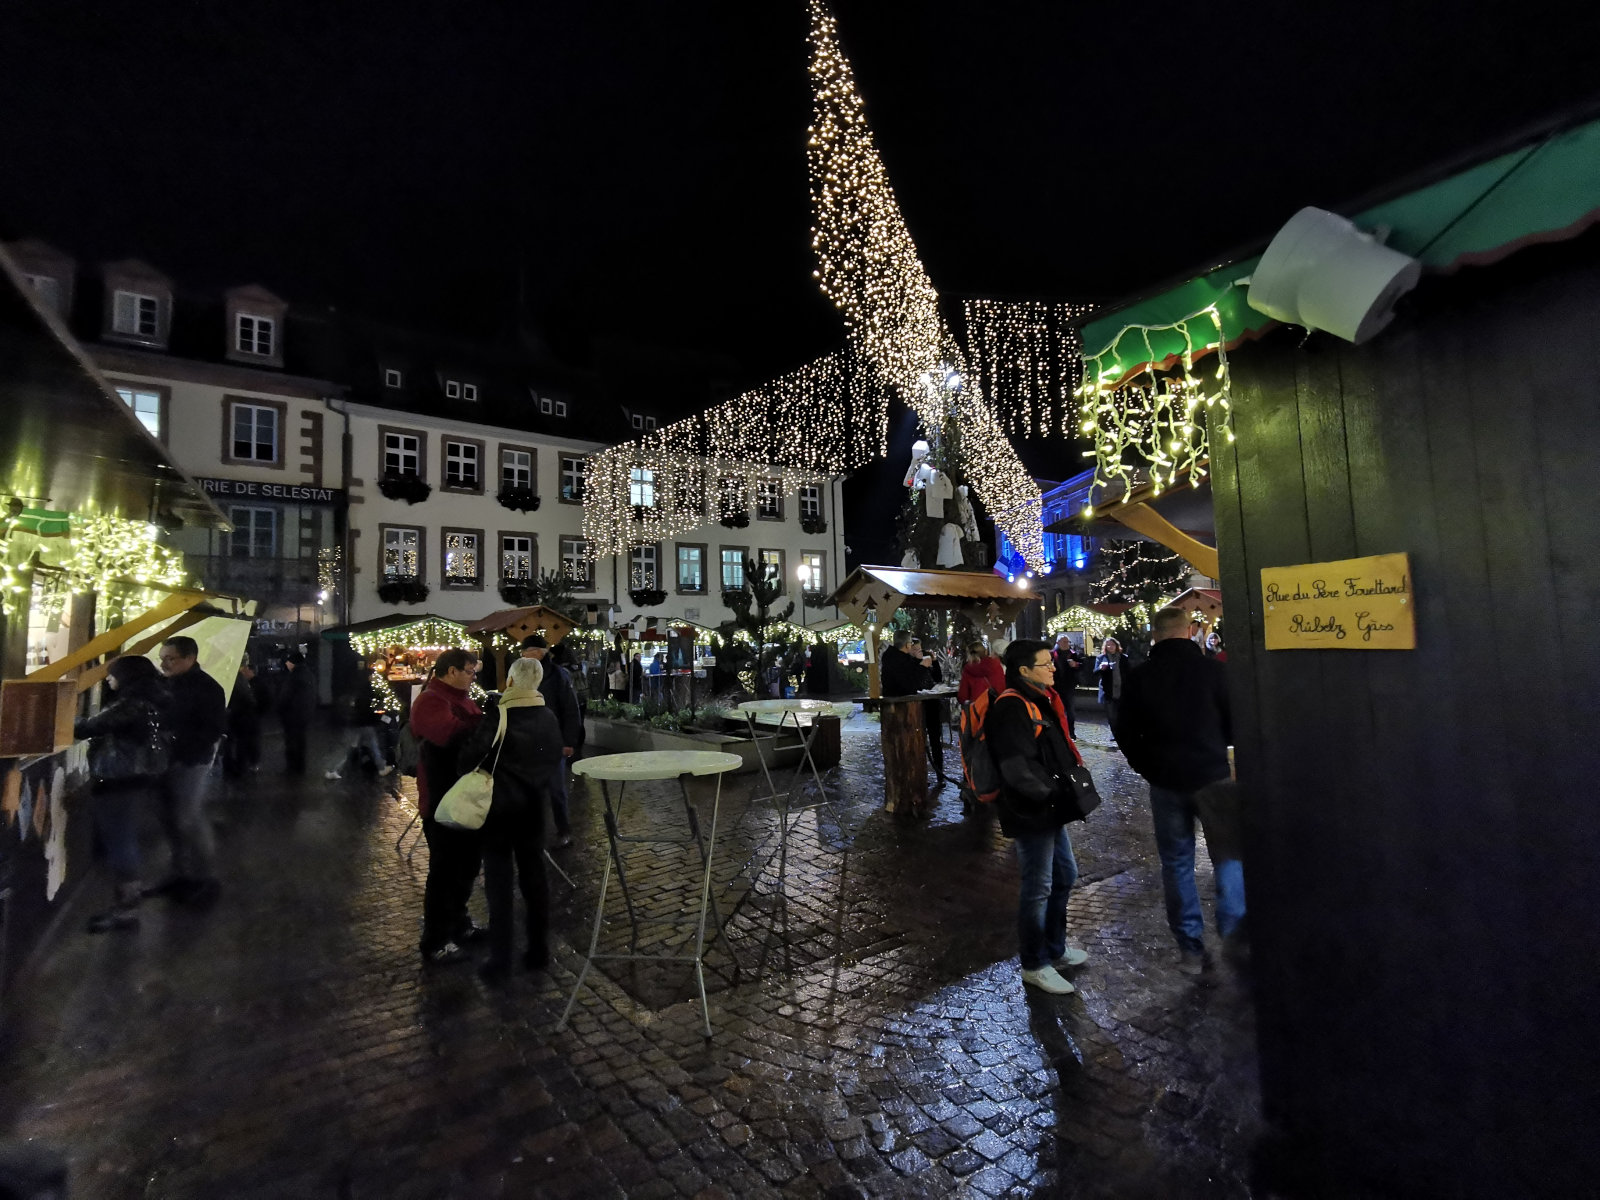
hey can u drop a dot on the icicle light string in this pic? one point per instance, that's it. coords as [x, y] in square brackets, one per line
[1029, 361]
[1155, 414]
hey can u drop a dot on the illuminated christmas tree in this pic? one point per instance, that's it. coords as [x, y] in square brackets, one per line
[1134, 572]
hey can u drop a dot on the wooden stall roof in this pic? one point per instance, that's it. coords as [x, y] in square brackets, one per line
[518, 623]
[931, 588]
[1207, 600]
[387, 621]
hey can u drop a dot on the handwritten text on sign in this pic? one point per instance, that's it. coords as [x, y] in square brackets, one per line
[1354, 604]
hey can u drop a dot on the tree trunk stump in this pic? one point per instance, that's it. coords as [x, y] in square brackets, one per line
[905, 757]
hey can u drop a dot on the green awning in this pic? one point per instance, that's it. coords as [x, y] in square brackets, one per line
[1544, 191]
[44, 522]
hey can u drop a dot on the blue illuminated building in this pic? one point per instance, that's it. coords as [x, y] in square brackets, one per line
[1067, 555]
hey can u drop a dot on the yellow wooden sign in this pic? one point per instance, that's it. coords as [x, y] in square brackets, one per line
[1353, 604]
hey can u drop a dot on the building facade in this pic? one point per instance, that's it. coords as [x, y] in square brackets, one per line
[369, 471]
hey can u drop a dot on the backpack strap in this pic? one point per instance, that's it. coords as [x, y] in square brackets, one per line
[1033, 709]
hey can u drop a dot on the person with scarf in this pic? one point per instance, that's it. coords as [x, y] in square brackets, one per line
[127, 757]
[1110, 669]
[1027, 733]
[525, 756]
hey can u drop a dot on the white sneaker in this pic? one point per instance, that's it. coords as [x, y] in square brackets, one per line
[1072, 957]
[1048, 979]
[332, 775]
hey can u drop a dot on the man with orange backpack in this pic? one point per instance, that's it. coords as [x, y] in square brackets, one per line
[1025, 733]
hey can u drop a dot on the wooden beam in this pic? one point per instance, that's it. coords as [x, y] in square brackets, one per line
[1141, 518]
[177, 602]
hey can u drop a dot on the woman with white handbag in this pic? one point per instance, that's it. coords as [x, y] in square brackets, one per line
[519, 742]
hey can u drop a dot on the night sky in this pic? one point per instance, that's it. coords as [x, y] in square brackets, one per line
[636, 169]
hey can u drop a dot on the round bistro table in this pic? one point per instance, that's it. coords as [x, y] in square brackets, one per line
[646, 765]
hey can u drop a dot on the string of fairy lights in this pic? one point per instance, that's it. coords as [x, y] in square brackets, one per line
[868, 266]
[1028, 357]
[1158, 413]
[827, 418]
[120, 560]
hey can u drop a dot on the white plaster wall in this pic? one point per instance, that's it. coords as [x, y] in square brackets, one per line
[370, 510]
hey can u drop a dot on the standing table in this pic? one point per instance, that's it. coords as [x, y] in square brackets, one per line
[622, 769]
[803, 713]
[806, 731]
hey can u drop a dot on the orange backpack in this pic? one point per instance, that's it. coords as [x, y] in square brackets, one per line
[982, 772]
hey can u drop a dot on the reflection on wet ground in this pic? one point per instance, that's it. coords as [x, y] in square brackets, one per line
[877, 1041]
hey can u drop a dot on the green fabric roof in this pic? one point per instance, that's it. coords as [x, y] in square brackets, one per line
[1539, 192]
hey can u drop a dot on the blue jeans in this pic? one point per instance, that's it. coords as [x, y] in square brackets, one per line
[359, 736]
[558, 799]
[1048, 873]
[116, 824]
[1175, 815]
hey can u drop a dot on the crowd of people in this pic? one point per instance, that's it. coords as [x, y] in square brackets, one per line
[154, 741]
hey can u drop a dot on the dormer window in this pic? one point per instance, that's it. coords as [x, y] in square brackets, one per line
[546, 405]
[638, 420]
[49, 289]
[255, 326]
[392, 378]
[136, 314]
[469, 391]
[255, 335]
[452, 389]
[561, 408]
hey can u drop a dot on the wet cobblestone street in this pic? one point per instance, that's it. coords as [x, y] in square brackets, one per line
[877, 1041]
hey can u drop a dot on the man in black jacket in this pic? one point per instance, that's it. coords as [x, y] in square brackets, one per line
[559, 694]
[1175, 727]
[198, 716]
[1027, 736]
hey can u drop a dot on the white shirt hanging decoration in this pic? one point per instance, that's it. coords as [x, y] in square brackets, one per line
[950, 545]
[919, 452]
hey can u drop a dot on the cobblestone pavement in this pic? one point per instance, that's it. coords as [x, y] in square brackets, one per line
[877, 1042]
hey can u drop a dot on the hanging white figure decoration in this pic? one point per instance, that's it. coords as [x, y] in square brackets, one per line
[950, 545]
[965, 513]
[911, 560]
[919, 455]
[938, 489]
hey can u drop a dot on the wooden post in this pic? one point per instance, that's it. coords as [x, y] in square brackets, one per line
[905, 757]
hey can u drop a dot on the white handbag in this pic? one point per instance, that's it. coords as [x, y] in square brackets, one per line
[466, 804]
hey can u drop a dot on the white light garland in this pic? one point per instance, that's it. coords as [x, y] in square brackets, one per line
[867, 264]
[825, 419]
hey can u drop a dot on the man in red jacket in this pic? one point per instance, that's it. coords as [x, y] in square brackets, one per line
[442, 718]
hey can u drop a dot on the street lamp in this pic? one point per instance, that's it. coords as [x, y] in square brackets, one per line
[803, 574]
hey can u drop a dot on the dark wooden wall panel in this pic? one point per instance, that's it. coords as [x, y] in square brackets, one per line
[1422, 826]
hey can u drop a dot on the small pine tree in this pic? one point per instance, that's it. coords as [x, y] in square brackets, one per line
[554, 591]
[752, 606]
